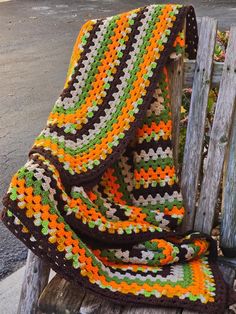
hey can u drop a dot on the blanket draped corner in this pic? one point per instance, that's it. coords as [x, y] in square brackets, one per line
[99, 197]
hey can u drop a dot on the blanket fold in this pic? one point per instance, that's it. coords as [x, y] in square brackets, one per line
[99, 197]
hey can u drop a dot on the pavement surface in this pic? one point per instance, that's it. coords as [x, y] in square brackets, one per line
[11, 287]
[36, 41]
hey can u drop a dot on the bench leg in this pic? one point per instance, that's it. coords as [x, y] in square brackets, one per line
[35, 279]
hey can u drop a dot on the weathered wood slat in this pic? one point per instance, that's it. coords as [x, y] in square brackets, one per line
[218, 140]
[228, 274]
[175, 71]
[189, 69]
[228, 270]
[61, 296]
[228, 225]
[92, 304]
[191, 312]
[227, 261]
[197, 117]
[149, 310]
[35, 280]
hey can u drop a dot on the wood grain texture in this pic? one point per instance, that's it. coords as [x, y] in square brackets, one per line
[196, 119]
[227, 261]
[219, 140]
[92, 304]
[150, 310]
[189, 69]
[35, 280]
[61, 296]
[175, 75]
[228, 274]
[228, 225]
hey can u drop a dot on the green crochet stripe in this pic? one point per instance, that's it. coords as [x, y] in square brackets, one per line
[156, 182]
[163, 117]
[187, 279]
[161, 207]
[159, 162]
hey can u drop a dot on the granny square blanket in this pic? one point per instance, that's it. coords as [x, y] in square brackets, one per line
[99, 197]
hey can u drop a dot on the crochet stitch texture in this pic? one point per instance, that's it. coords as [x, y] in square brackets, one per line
[99, 198]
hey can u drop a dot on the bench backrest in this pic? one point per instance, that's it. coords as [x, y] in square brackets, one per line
[202, 75]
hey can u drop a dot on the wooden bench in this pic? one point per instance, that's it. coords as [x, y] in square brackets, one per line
[60, 296]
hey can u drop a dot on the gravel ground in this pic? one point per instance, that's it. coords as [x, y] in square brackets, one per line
[36, 40]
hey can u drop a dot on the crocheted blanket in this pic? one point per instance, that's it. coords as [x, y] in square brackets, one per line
[99, 198]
